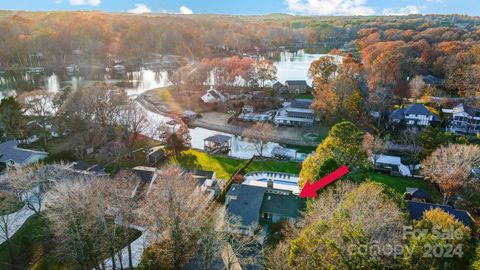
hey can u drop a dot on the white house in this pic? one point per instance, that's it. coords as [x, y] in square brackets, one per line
[465, 120]
[414, 115]
[393, 164]
[297, 113]
[213, 96]
[12, 156]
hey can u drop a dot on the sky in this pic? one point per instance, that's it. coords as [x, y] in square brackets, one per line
[256, 7]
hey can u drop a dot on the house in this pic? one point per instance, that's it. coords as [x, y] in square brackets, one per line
[416, 194]
[217, 143]
[155, 154]
[417, 209]
[414, 115]
[13, 156]
[279, 87]
[247, 109]
[190, 115]
[147, 175]
[297, 86]
[391, 165]
[255, 206]
[296, 113]
[206, 180]
[432, 80]
[85, 168]
[465, 120]
[213, 96]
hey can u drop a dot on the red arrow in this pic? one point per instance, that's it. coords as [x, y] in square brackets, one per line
[310, 190]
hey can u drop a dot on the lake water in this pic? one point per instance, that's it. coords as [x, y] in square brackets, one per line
[290, 66]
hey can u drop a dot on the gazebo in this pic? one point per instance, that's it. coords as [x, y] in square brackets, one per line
[217, 143]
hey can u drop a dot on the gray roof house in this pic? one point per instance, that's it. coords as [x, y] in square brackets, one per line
[13, 156]
[296, 86]
[255, 205]
[417, 209]
[465, 120]
[414, 115]
[297, 113]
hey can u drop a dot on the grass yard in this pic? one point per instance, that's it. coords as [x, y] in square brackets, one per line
[193, 159]
[9, 203]
[399, 184]
[226, 166]
[304, 96]
[274, 166]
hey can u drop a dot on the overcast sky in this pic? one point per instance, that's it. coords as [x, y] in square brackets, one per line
[256, 7]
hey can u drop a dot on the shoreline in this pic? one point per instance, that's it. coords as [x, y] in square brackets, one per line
[233, 130]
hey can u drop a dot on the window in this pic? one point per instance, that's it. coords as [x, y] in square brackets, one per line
[265, 215]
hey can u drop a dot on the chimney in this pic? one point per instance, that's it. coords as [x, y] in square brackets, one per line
[269, 183]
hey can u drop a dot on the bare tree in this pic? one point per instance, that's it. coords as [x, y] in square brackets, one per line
[31, 182]
[172, 209]
[417, 87]
[76, 209]
[39, 104]
[450, 167]
[375, 146]
[9, 223]
[259, 135]
[135, 122]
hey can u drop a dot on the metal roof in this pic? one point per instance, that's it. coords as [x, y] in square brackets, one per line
[218, 138]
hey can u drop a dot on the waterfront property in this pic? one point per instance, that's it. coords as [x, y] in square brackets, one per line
[256, 205]
[465, 120]
[218, 143]
[13, 156]
[297, 86]
[414, 115]
[297, 113]
[212, 95]
[277, 180]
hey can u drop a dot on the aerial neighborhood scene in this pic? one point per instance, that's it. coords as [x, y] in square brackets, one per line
[273, 134]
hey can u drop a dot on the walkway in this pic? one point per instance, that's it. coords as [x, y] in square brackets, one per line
[138, 246]
[11, 223]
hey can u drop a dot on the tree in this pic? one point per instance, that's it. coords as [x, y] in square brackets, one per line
[344, 144]
[374, 146]
[12, 121]
[259, 135]
[76, 210]
[179, 137]
[39, 104]
[266, 71]
[173, 209]
[362, 217]
[322, 70]
[450, 167]
[31, 182]
[420, 246]
[134, 121]
[417, 85]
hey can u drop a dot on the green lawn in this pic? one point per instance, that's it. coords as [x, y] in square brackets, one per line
[193, 159]
[226, 166]
[9, 203]
[399, 184]
[274, 166]
[304, 96]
